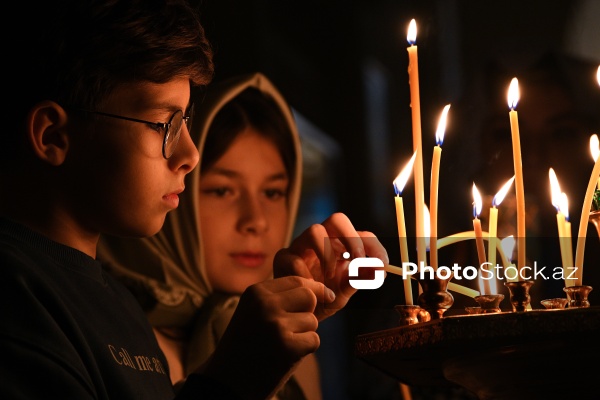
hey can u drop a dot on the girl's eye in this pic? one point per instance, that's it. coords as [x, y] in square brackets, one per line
[218, 192]
[275, 194]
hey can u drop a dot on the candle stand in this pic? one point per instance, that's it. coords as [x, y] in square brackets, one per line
[577, 296]
[489, 303]
[499, 356]
[556, 303]
[435, 298]
[519, 294]
[411, 314]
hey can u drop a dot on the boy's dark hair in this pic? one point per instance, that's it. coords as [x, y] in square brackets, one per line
[75, 52]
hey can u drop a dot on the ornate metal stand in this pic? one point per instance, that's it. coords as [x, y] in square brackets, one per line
[507, 355]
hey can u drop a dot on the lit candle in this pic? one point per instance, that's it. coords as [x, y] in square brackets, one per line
[426, 225]
[508, 246]
[513, 99]
[399, 184]
[564, 209]
[595, 150]
[433, 193]
[493, 223]
[477, 205]
[556, 194]
[415, 104]
[585, 217]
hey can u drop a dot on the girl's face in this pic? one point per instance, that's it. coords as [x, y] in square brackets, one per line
[243, 212]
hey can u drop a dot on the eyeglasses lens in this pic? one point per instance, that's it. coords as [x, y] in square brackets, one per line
[172, 134]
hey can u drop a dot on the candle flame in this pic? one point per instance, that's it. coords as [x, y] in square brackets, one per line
[564, 205]
[477, 202]
[499, 197]
[513, 93]
[403, 176]
[598, 75]
[441, 129]
[412, 32]
[508, 246]
[555, 191]
[595, 146]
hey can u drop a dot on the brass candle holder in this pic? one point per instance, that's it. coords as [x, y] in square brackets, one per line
[555, 304]
[489, 303]
[435, 298]
[577, 296]
[519, 294]
[473, 310]
[411, 314]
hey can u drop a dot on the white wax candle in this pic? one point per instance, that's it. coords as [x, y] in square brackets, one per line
[415, 104]
[513, 99]
[585, 217]
[434, 186]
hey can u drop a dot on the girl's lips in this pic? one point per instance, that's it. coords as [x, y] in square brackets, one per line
[249, 260]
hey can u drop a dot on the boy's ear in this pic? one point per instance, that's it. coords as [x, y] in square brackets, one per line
[47, 132]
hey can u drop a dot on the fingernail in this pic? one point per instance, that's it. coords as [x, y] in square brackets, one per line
[330, 295]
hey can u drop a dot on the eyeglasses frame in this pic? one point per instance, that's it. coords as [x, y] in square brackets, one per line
[163, 125]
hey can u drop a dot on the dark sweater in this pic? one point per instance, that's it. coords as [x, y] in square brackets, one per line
[68, 330]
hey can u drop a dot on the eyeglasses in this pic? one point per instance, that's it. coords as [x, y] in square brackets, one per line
[171, 129]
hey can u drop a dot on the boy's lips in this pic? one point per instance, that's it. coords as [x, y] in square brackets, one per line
[172, 199]
[248, 259]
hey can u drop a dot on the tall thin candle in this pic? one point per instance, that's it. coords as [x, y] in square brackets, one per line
[595, 150]
[585, 218]
[556, 194]
[415, 104]
[493, 222]
[399, 184]
[513, 99]
[433, 193]
[564, 209]
[477, 205]
[508, 245]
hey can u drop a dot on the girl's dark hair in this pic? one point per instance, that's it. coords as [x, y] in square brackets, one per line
[251, 108]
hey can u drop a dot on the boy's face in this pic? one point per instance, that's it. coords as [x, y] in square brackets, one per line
[124, 185]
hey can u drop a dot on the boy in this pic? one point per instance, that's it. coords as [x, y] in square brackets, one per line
[95, 141]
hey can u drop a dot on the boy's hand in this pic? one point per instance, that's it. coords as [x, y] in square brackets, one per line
[272, 329]
[318, 253]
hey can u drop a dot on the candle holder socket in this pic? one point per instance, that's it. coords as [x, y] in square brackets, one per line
[489, 303]
[519, 294]
[411, 314]
[473, 310]
[578, 296]
[435, 298]
[555, 304]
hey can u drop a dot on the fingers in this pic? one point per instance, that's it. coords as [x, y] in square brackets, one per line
[322, 245]
[272, 329]
[297, 294]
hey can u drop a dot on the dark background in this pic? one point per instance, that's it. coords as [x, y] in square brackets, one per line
[342, 66]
